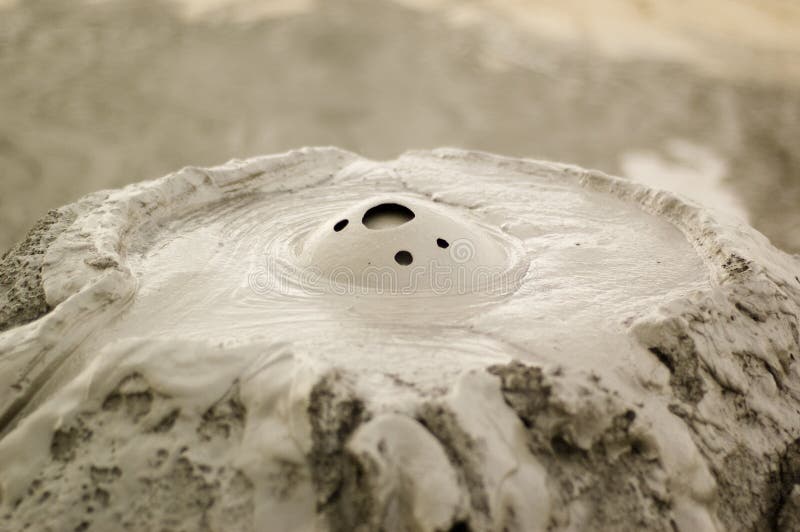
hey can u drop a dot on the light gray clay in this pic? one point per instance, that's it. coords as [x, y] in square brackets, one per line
[449, 341]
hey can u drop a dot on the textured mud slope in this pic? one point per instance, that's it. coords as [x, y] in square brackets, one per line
[638, 371]
[22, 297]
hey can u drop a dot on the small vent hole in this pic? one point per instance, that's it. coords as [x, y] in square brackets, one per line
[341, 224]
[442, 243]
[403, 258]
[386, 216]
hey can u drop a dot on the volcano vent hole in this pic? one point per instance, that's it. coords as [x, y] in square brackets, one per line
[387, 215]
[442, 243]
[403, 258]
[341, 224]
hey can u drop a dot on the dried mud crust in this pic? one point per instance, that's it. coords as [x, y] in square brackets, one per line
[608, 474]
[734, 350]
[95, 482]
[340, 480]
[345, 483]
[22, 297]
[787, 509]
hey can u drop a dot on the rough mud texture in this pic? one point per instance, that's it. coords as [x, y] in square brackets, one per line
[21, 293]
[747, 475]
[344, 496]
[22, 297]
[638, 371]
[92, 484]
[787, 510]
[607, 474]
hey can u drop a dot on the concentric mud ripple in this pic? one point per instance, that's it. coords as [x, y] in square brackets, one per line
[231, 269]
[231, 272]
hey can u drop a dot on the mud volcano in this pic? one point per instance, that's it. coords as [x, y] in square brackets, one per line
[449, 341]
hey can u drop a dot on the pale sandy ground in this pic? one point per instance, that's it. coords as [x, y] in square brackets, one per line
[701, 97]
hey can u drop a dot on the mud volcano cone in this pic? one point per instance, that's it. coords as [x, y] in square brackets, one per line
[447, 341]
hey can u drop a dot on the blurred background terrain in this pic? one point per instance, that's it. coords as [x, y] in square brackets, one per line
[701, 97]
